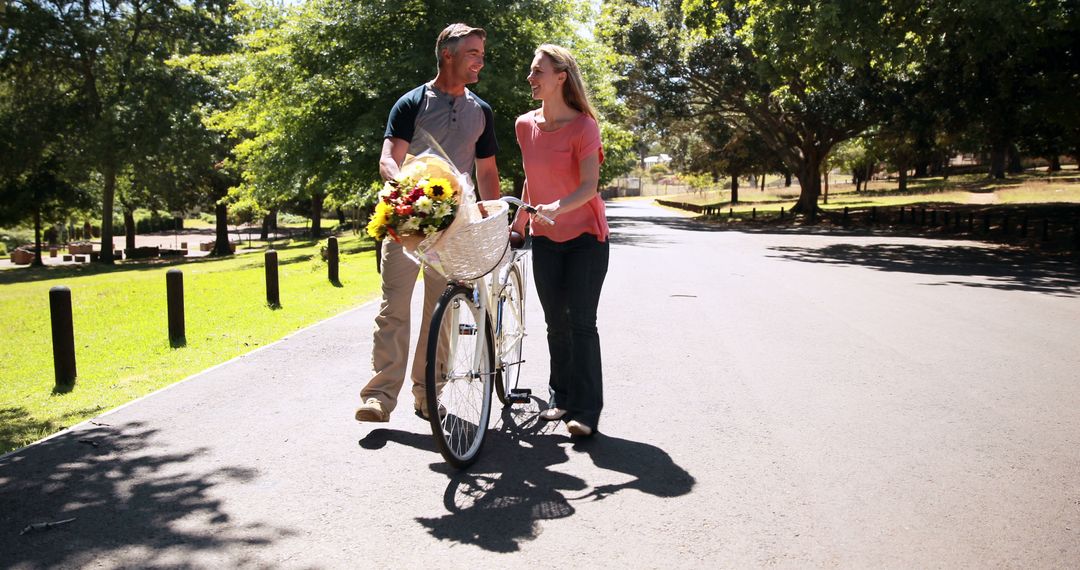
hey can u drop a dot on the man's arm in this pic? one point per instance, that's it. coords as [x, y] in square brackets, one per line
[393, 154]
[487, 178]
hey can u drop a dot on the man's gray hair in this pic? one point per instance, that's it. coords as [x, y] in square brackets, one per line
[451, 36]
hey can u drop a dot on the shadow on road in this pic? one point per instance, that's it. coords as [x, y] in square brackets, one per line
[134, 504]
[1003, 269]
[498, 502]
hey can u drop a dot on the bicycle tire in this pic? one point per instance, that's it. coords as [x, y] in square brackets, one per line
[459, 376]
[510, 333]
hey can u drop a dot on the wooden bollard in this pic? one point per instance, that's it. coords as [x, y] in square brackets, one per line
[1005, 225]
[1046, 230]
[174, 292]
[986, 223]
[845, 220]
[781, 212]
[332, 259]
[945, 219]
[901, 214]
[922, 216]
[753, 214]
[873, 214]
[273, 297]
[730, 212]
[1024, 226]
[933, 217]
[971, 222]
[63, 337]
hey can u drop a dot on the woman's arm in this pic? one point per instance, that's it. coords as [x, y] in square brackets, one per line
[521, 217]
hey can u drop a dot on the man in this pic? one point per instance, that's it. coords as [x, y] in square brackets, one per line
[463, 126]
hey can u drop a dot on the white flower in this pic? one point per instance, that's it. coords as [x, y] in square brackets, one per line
[442, 210]
[411, 225]
[423, 204]
[428, 230]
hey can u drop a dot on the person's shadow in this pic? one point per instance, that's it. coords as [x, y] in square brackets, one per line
[496, 504]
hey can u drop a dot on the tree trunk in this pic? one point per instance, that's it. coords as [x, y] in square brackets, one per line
[108, 195]
[1015, 164]
[316, 215]
[221, 230]
[762, 181]
[997, 161]
[734, 189]
[129, 228]
[903, 178]
[37, 239]
[787, 180]
[264, 231]
[809, 176]
[1055, 163]
[922, 169]
[825, 175]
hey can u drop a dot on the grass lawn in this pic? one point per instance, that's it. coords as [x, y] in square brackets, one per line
[967, 189]
[121, 326]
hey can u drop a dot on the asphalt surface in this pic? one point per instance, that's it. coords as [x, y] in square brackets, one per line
[772, 399]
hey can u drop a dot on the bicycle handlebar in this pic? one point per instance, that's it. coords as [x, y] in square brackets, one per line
[528, 208]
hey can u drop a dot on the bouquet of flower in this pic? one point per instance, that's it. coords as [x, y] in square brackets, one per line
[420, 202]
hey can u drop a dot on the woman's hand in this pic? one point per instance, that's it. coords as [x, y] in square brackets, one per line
[546, 213]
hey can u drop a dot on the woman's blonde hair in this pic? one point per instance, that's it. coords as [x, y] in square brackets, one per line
[574, 91]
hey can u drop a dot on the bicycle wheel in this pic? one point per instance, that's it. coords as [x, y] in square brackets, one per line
[510, 333]
[460, 372]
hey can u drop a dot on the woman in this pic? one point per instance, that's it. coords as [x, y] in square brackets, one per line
[561, 152]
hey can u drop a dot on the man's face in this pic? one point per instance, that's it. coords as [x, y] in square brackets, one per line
[465, 65]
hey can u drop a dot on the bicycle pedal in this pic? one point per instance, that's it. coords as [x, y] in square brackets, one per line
[520, 396]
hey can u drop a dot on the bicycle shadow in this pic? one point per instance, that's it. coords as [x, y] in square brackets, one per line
[499, 502]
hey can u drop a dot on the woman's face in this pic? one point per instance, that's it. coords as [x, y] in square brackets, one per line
[545, 82]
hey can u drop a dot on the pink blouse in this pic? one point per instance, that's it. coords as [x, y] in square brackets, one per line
[552, 168]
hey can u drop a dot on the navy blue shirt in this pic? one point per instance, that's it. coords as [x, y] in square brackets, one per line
[463, 127]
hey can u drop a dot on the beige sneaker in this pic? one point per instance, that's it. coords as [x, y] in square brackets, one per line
[372, 411]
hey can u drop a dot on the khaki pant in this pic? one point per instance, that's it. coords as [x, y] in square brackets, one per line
[389, 357]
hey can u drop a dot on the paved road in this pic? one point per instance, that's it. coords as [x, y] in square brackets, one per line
[773, 399]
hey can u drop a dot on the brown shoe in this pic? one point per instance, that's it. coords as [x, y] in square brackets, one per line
[579, 429]
[372, 411]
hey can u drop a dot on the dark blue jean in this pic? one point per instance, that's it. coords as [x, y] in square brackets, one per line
[569, 276]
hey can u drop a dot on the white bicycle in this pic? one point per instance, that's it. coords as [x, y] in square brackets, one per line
[474, 350]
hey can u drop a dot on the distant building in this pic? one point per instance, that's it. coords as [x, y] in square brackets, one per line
[658, 159]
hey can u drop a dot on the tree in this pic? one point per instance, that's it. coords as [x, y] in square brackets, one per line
[312, 86]
[1005, 71]
[108, 60]
[43, 194]
[806, 75]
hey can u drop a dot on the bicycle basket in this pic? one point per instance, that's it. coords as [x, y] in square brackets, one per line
[473, 245]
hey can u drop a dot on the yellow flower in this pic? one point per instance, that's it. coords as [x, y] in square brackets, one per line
[376, 227]
[438, 189]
